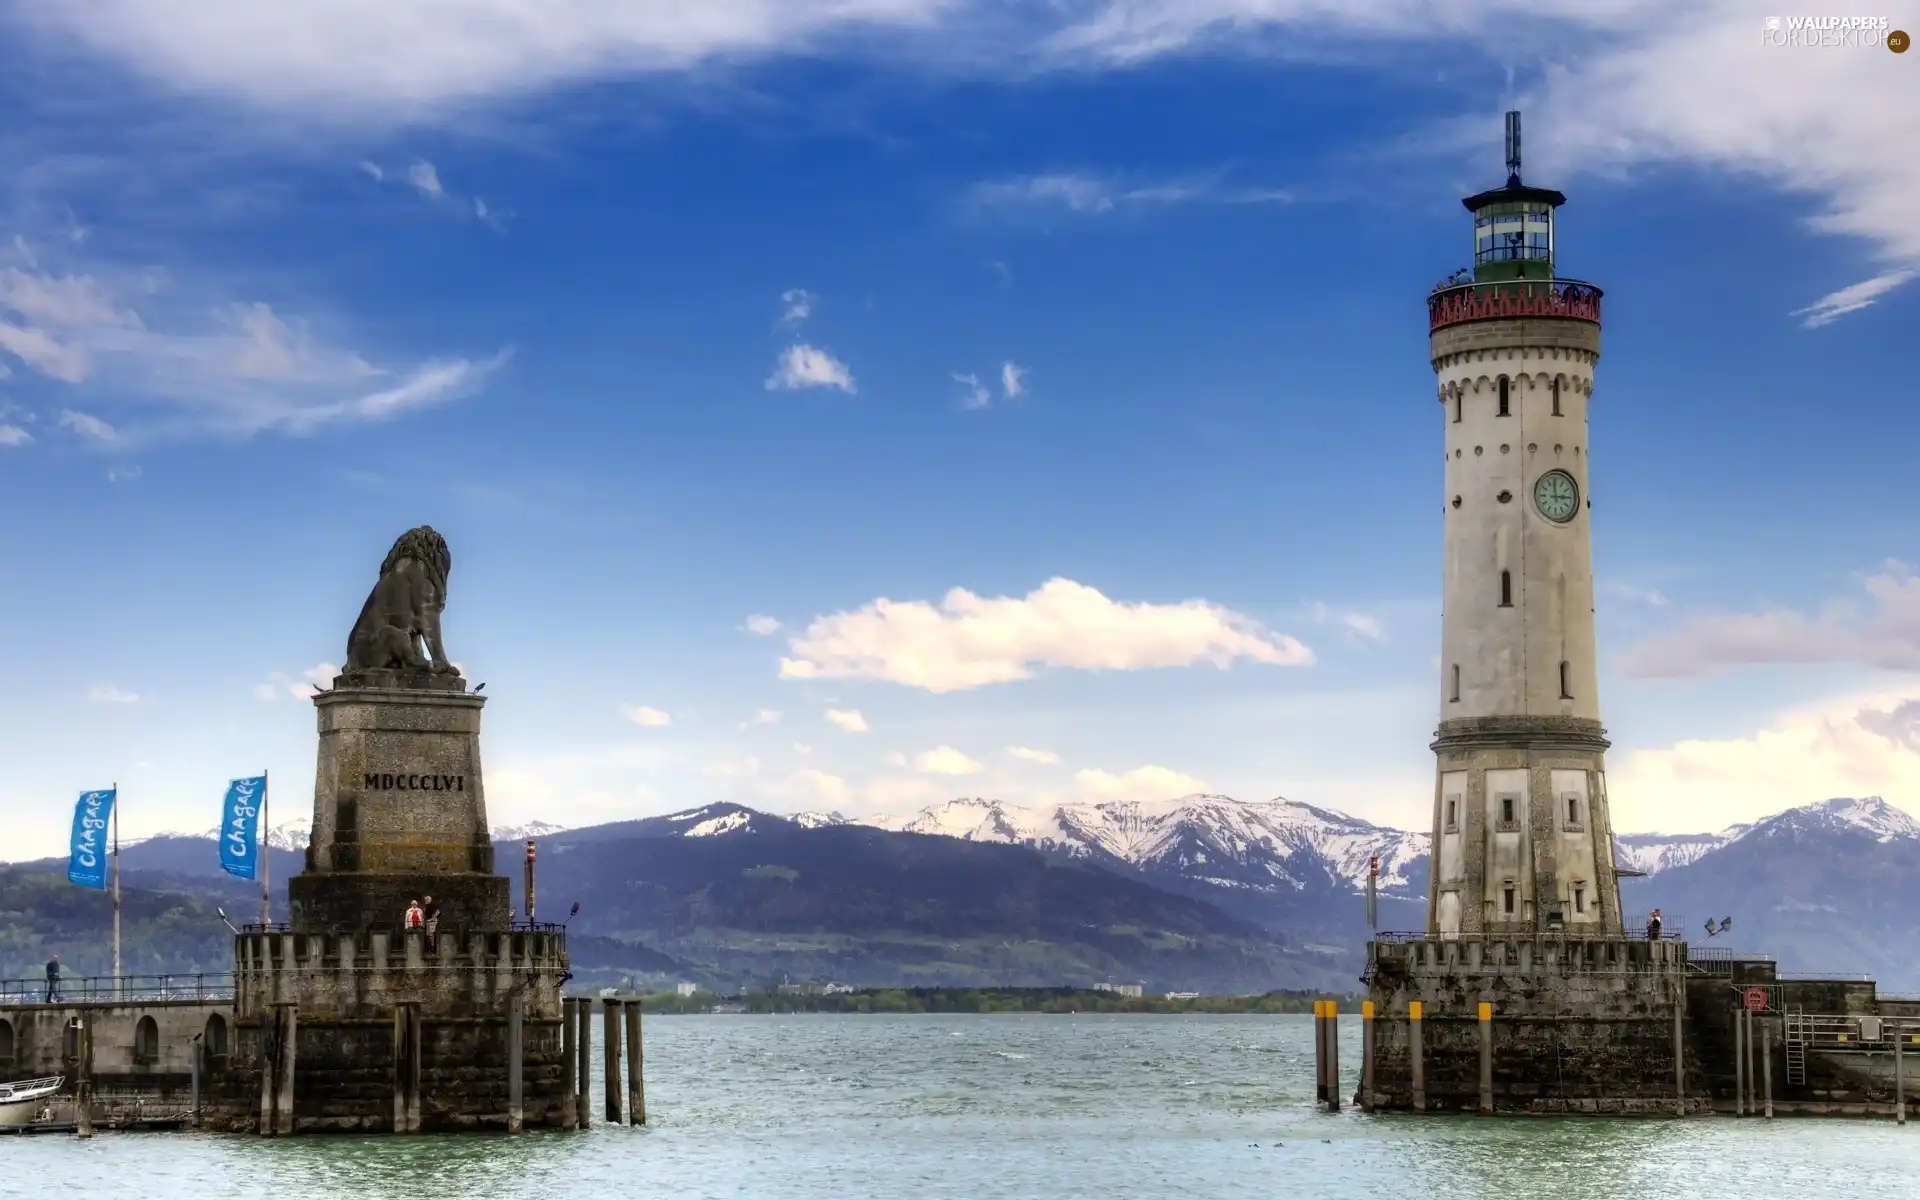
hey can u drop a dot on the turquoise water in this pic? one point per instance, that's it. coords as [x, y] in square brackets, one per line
[915, 1107]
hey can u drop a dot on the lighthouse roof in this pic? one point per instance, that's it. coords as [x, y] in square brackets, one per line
[1513, 193]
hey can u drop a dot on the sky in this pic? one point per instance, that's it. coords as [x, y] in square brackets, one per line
[856, 404]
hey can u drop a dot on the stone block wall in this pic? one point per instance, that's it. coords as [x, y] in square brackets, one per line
[34, 1042]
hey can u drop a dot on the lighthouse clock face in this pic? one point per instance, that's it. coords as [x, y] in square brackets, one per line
[1557, 496]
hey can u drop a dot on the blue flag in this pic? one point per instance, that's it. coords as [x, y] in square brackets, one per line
[240, 827]
[87, 864]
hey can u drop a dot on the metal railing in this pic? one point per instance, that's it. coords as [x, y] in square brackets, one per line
[106, 989]
[396, 929]
[1568, 299]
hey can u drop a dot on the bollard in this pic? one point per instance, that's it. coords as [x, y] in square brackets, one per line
[1766, 1066]
[1486, 1058]
[516, 1057]
[1899, 1076]
[636, 1067]
[569, 1103]
[610, 1056]
[1366, 1056]
[583, 1070]
[1333, 1056]
[1414, 1012]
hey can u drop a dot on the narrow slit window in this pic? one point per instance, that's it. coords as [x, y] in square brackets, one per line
[1573, 810]
[1506, 899]
[1506, 589]
[1453, 813]
[1504, 396]
[1455, 697]
[1556, 396]
[1566, 682]
[1506, 810]
[1580, 897]
[1456, 408]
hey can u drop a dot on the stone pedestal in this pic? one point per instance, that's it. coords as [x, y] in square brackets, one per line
[399, 810]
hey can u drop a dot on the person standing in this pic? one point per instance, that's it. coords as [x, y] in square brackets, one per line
[430, 912]
[415, 918]
[1653, 925]
[53, 979]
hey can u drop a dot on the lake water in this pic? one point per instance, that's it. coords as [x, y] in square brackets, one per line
[917, 1107]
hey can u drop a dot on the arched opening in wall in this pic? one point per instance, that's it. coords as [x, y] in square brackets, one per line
[1456, 408]
[146, 1041]
[1455, 696]
[1506, 589]
[1505, 397]
[1566, 681]
[1556, 395]
[6, 1044]
[214, 1041]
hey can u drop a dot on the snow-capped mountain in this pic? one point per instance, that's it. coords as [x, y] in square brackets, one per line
[1217, 839]
[1657, 852]
[294, 835]
[520, 833]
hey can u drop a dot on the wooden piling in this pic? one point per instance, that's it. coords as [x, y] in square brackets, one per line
[1899, 1076]
[83, 1089]
[194, 1049]
[583, 1068]
[1366, 1056]
[1333, 1056]
[1766, 1066]
[516, 1063]
[569, 1101]
[289, 1042]
[610, 1055]
[416, 1064]
[636, 1066]
[1740, 1062]
[1414, 1008]
[1486, 1058]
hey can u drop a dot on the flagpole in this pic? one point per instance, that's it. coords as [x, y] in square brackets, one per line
[266, 853]
[116, 890]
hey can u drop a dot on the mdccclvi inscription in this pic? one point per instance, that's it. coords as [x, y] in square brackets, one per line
[387, 781]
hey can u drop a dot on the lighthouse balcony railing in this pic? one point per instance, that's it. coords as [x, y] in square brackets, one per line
[1567, 299]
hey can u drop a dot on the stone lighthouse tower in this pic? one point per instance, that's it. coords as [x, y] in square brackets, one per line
[1521, 837]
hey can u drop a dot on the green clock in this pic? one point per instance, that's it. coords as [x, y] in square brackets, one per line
[1557, 496]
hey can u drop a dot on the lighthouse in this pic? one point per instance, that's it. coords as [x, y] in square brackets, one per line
[1521, 836]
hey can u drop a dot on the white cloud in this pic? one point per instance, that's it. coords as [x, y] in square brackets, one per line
[802, 748]
[1355, 624]
[1834, 305]
[1086, 194]
[803, 366]
[847, 720]
[1140, 783]
[305, 687]
[945, 760]
[895, 758]
[122, 474]
[1885, 634]
[813, 784]
[976, 396]
[108, 693]
[1652, 597]
[646, 715]
[970, 641]
[196, 362]
[1013, 380]
[373, 171]
[763, 626]
[1025, 754]
[796, 305]
[893, 792]
[765, 716]
[745, 768]
[89, 427]
[1858, 745]
[425, 178]
[13, 435]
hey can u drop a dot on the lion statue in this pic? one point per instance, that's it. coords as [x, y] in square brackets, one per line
[403, 611]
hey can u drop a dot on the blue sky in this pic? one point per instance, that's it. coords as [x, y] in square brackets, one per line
[857, 405]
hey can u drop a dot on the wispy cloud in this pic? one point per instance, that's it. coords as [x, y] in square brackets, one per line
[110, 693]
[1087, 194]
[803, 366]
[423, 177]
[1834, 305]
[13, 435]
[646, 715]
[847, 720]
[1363, 626]
[762, 626]
[945, 760]
[177, 362]
[1013, 380]
[1045, 758]
[796, 305]
[973, 395]
[764, 716]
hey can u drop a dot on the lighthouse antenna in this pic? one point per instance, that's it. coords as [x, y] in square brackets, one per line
[1513, 144]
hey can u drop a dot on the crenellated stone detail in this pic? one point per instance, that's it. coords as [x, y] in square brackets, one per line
[361, 976]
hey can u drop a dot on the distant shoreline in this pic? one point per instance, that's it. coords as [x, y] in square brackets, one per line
[1060, 1001]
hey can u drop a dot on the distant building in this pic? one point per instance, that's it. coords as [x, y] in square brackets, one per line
[837, 989]
[1121, 989]
[686, 989]
[1183, 995]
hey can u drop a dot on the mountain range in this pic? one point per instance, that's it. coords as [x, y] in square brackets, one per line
[1201, 892]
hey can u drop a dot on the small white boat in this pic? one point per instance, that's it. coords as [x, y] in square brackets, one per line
[29, 1100]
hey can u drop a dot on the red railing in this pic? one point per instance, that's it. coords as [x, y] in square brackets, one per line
[1569, 299]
